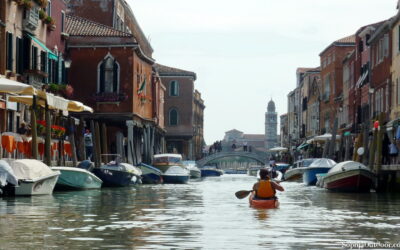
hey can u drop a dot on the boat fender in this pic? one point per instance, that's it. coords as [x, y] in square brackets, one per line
[89, 179]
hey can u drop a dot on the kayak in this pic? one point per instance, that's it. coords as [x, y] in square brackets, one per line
[258, 203]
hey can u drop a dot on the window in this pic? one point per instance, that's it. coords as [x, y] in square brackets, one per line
[386, 45]
[327, 88]
[10, 50]
[34, 62]
[360, 46]
[173, 117]
[48, 8]
[62, 21]
[19, 45]
[43, 61]
[174, 88]
[398, 39]
[108, 75]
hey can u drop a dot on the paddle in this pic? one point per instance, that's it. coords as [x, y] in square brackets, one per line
[242, 194]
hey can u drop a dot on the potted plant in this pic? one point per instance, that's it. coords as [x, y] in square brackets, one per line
[27, 4]
[57, 131]
[42, 15]
[41, 127]
[42, 3]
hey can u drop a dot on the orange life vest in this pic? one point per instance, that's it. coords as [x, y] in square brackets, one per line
[265, 189]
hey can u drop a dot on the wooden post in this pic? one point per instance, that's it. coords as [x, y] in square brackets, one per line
[81, 141]
[34, 129]
[71, 138]
[332, 146]
[358, 144]
[47, 143]
[104, 141]
[145, 145]
[341, 148]
[347, 148]
[326, 148]
[94, 153]
[372, 152]
[98, 143]
[381, 130]
[365, 130]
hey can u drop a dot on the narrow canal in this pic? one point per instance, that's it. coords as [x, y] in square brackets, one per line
[201, 215]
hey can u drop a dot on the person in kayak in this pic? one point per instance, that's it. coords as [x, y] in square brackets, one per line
[266, 188]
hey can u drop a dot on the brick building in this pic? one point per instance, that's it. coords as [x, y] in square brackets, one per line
[120, 84]
[332, 80]
[182, 117]
[198, 125]
[380, 80]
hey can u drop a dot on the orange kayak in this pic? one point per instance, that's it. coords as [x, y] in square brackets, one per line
[257, 203]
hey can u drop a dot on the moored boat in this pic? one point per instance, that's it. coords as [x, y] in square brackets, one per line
[150, 174]
[253, 170]
[282, 167]
[164, 161]
[319, 166]
[176, 175]
[295, 172]
[34, 178]
[349, 176]
[263, 203]
[209, 171]
[76, 178]
[114, 175]
[194, 170]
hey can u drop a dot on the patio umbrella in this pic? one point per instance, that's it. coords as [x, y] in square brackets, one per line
[325, 137]
[278, 149]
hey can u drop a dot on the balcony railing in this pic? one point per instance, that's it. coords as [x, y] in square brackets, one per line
[110, 97]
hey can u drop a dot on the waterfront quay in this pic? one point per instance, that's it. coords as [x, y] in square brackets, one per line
[203, 214]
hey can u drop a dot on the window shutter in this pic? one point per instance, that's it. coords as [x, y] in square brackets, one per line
[18, 55]
[102, 74]
[115, 77]
[9, 51]
[26, 53]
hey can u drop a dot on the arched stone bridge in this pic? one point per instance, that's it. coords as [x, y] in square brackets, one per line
[202, 162]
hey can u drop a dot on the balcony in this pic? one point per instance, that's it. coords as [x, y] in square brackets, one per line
[31, 20]
[110, 97]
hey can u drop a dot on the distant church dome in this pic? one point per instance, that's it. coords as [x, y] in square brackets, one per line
[271, 106]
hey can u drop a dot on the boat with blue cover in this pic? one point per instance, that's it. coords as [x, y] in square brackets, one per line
[210, 171]
[319, 166]
[150, 174]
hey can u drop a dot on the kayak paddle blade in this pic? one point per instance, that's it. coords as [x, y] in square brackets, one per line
[242, 194]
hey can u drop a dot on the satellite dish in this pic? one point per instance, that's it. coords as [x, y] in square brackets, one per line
[360, 151]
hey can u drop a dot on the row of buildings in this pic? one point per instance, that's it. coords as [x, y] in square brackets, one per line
[95, 52]
[356, 81]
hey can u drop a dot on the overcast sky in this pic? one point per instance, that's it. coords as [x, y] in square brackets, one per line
[246, 52]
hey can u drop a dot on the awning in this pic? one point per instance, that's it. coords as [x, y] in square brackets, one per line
[13, 87]
[56, 102]
[50, 53]
[303, 145]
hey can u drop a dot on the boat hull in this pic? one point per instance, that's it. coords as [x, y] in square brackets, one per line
[356, 180]
[293, 174]
[76, 179]
[113, 178]
[42, 186]
[210, 173]
[263, 204]
[176, 179]
[195, 174]
[310, 175]
[151, 178]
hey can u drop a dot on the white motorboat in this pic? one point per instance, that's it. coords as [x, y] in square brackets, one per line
[76, 178]
[34, 177]
[194, 170]
[176, 175]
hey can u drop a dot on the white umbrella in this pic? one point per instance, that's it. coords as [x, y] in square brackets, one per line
[325, 137]
[14, 87]
[278, 149]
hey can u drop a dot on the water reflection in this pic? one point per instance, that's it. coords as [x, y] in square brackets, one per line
[202, 214]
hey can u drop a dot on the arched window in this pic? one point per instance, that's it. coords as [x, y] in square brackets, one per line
[108, 75]
[173, 117]
[174, 88]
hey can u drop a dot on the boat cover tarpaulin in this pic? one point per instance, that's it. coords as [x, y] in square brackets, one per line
[28, 169]
[7, 174]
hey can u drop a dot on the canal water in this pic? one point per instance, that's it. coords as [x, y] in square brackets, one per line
[203, 214]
